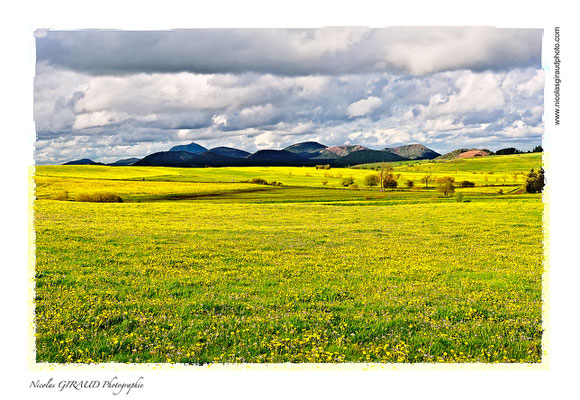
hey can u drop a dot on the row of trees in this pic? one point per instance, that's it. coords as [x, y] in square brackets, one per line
[385, 178]
[513, 150]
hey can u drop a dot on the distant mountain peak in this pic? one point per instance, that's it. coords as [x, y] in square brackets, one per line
[301, 147]
[343, 150]
[413, 151]
[190, 148]
[83, 161]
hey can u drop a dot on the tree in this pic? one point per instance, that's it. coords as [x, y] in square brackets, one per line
[535, 181]
[410, 183]
[372, 180]
[426, 179]
[446, 185]
[383, 171]
[386, 177]
[537, 149]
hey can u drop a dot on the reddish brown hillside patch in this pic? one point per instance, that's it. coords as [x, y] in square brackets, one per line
[473, 153]
[344, 150]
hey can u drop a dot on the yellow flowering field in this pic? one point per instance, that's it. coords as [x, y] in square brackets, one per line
[131, 190]
[235, 278]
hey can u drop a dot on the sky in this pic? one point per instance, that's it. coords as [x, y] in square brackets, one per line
[109, 95]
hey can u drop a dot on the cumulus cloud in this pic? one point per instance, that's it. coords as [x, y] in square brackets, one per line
[324, 51]
[363, 107]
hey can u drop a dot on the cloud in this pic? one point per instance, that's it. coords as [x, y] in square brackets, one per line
[292, 52]
[444, 111]
[255, 89]
[477, 92]
[96, 119]
[219, 120]
[363, 107]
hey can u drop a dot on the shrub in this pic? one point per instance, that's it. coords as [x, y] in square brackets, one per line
[372, 180]
[535, 181]
[324, 182]
[347, 181]
[390, 182]
[410, 183]
[354, 186]
[467, 184]
[259, 181]
[99, 198]
[459, 198]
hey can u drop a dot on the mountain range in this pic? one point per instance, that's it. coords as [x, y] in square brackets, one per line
[299, 154]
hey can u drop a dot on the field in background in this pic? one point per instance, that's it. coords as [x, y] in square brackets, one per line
[197, 266]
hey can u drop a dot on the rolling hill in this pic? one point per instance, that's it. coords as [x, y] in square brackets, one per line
[123, 163]
[186, 159]
[277, 158]
[167, 159]
[229, 152]
[473, 153]
[455, 153]
[366, 156]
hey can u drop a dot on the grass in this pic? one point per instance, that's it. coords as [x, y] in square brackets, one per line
[194, 272]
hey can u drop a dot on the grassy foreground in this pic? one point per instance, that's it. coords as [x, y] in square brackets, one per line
[284, 274]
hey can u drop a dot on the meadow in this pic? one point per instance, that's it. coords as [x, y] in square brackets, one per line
[200, 266]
